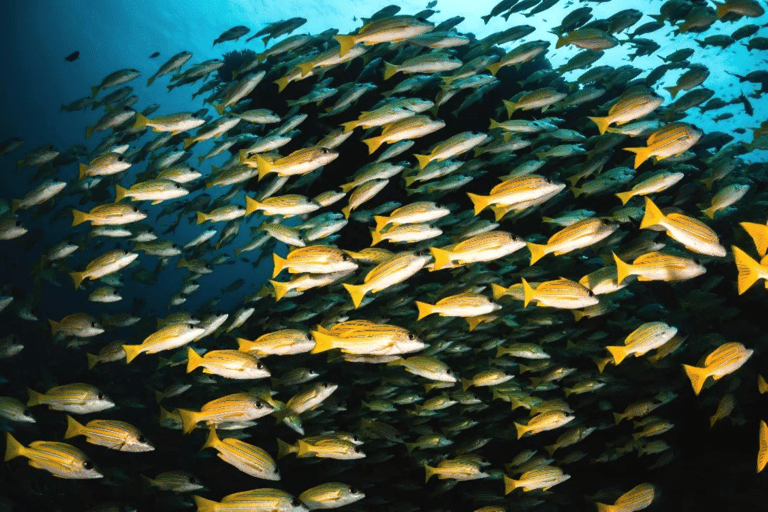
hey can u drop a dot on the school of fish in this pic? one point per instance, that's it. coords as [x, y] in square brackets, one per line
[479, 268]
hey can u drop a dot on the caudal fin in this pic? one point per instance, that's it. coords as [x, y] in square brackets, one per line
[759, 234]
[602, 123]
[697, 376]
[442, 258]
[423, 160]
[538, 251]
[120, 193]
[748, 269]
[188, 420]
[424, 309]
[345, 43]
[509, 485]
[194, 360]
[510, 106]
[279, 264]
[390, 70]
[35, 398]
[762, 451]
[356, 291]
[280, 288]
[493, 68]
[376, 237]
[263, 165]
[622, 269]
[653, 215]
[373, 144]
[498, 291]
[641, 155]
[13, 448]
[323, 342]
[480, 202]
[527, 293]
[429, 472]
[201, 217]
[93, 360]
[204, 505]
[73, 428]
[625, 196]
[618, 353]
[131, 351]
[251, 205]
[77, 278]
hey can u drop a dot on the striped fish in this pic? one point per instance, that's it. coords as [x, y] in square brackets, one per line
[544, 477]
[670, 140]
[488, 246]
[176, 481]
[237, 407]
[637, 498]
[287, 205]
[395, 270]
[231, 364]
[516, 191]
[658, 182]
[108, 263]
[329, 447]
[248, 458]
[166, 338]
[412, 127]
[645, 338]
[257, 499]
[76, 398]
[658, 266]
[578, 235]
[367, 338]
[693, 234]
[115, 435]
[560, 293]
[547, 420]
[387, 30]
[330, 495]
[426, 366]
[13, 410]
[283, 342]
[725, 359]
[60, 459]
[750, 270]
[461, 305]
[628, 107]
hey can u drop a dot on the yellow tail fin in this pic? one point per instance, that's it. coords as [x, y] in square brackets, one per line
[35, 398]
[244, 345]
[748, 269]
[188, 420]
[212, 441]
[708, 182]
[762, 452]
[263, 165]
[538, 251]
[551, 449]
[509, 485]
[345, 43]
[762, 385]
[204, 505]
[424, 309]
[120, 193]
[219, 108]
[89, 131]
[441, 256]
[673, 90]
[282, 83]
[493, 68]
[510, 106]
[279, 263]
[623, 270]
[201, 217]
[92, 360]
[653, 215]
[697, 376]
[625, 196]
[521, 430]
[759, 234]
[480, 202]
[430, 471]
[641, 155]
[618, 353]
[390, 70]
[381, 222]
[13, 448]
[323, 342]
[602, 363]
[54, 327]
[356, 291]
[284, 448]
[194, 360]
[423, 160]
[131, 351]
[349, 126]
[280, 288]
[190, 140]
[602, 123]
[498, 291]
[141, 121]
[77, 278]
[251, 205]
[78, 217]
[618, 417]
[73, 428]
[710, 212]
[376, 237]
[373, 144]
[527, 293]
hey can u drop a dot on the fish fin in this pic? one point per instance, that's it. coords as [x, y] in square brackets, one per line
[602, 363]
[304, 448]
[653, 214]
[423, 160]
[708, 182]
[562, 41]
[602, 123]
[376, 237]
[131, 351]
[73, 428]
[212, 441]
[356, 291]
[280, 289]
[282, 82]
[54, 327]
[194, 360]
[92, 360]
[576, 191]
[498, 291]
[263, 165]
[480, 202]
[77, 278]
[141, 121]
[390, 70]
[35, 398]
[466, 384]
[618, 353]
[13, 448]
[82, 168]
[349, 126]
[346, 42]
[527, 293]
[205, 505]
[623, 270]
[762, 385]
[493, 68]
[673, 90]
[188, 420]
[538, 251]
[641, 155]
[551, 449]
[279, 263]
[602, 507]
[284, 448]
[521, 430]
[759, 234]
[120, 193]
[424, 309]
[373, 144]
[323, 342]
[710, 212]
[381, 222]
[747, 268]
[201, 217]
[762, 452]
[251, 205]
[190, 140]
[509, 485]
[346, 211]
[347, 187]
[510, 106]
[441, 256]
[624, 197]
[618, 417]
[697, 376]
[430, 471]
[89, 131]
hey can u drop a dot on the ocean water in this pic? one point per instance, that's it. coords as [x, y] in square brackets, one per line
[708, 469]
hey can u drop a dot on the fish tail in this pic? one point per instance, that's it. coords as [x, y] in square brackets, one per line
[762, 385]
[641, 154]
[618, 353]
[500, 351]
[89, 131]
[759, 234]
[78, 217]
[747, 267]
[521, 430]
[576, 191]
[131, 351]
[602, 507]
[191, 140]
[721, 9]
[424, 309]
[120, 193]
[624, 197]
[141, 121]
[602, 123]
[527, 293]
[622, 269]
[251, 205]
[762, 452]
[373, 144]
[510, 106]
[349, 126]
[423, 160]
[480, 202]
[466, 384]
[430, 472]
[204, 505]
[356, 291]
[244, 345]
[538, 251]
[347, 187]
[673, 90]
[284, 448]
[441, 256]
[280, 289]
[346, 211]
[697, 376]
[212, 440]
[194, 360]
[282, 83]
[376, 237]
[19, 165]
[77, 278]
[35, 398]
[188, 421]
[509, 485]
[493, 68]
[279, 264]
[54, 327]
[551, 449]
[92, 360]
[13, 448]
[498, 291]
[323, 342]
[73, 428]
[390, 70]
[263, 165]
[346, 43]
[380, 222]
[653, 214]
[562, 41]
[708, 182]
[602, 363]
[710, 212]
[94, 91]
[618, 417]
[201, 217]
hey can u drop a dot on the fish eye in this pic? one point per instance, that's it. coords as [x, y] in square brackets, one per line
[325, 150]
[295, 502]
[259, 405]
[178, 185]
[277, 471]
[127, 109]
[26, 412]
[259, 366]
[120, 158]
[411, 336]
[18, 223]
[449, 372]
[344, 257]
[355, 439]
[94, 324]
[141, 439]
[101, 396]
[174, 246]
[125, 253]
[309, 337]
[135, 209]
[192, 480]
[88, 464]
[591, 293]
[209, 266]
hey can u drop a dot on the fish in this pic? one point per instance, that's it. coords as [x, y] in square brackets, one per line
[72, 57]
[60, 459]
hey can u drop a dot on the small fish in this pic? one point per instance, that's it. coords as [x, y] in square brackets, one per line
[73, 398]
[115, 435]
[60, 459]
[72, 57]
[725, 359]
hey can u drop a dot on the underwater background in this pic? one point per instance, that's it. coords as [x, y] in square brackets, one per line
[700, 467]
